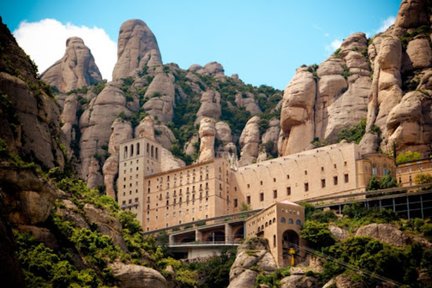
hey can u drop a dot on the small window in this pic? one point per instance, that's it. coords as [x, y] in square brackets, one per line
[288, 176]
[335, 166]
[374, 171]
[345, 163]
[283, 220]
[322, 168]
[335, 180]
[305, 172]
[248, 185]
[298, 222]
[235, 203]
[288, 191]
[323, 183]
[274, 194]
[346, 178]
[290, 221]
[248, 199]
[274, 179]
[274, 240]
[261, 196]
[306, 187]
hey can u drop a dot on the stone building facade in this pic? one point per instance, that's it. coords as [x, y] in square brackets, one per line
[280, 224]
[162, 197]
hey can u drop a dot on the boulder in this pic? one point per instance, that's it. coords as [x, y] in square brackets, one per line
[338, 233]
[136, 276]
[247, 100]
[253, 257]
[76, 69]
[299, 281]
[386, 233]
[145, 128]
[419, 53]
[412, 13]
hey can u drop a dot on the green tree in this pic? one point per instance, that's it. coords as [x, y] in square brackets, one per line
[317, 234]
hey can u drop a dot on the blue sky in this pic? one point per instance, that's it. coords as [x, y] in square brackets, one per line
[262, 41]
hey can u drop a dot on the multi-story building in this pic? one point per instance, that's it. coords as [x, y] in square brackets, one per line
[191, 193]
[406, 173]
[338, 168]
[162, 197]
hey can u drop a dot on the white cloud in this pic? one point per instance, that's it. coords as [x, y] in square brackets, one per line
[335, 44]
[45, 42]
[386, 23]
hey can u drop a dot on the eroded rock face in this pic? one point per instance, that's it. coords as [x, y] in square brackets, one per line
[136, 276]
[385, 233]
[146, 128]
[247, 100]
[253, 257]
[137, 48]
[412, 13]
[249, 142]
[419, 53]
[210, 105]
[160, 95]
[297, 113]
[207, 133]
[76, 69]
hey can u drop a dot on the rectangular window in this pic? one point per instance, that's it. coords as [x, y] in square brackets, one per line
[335, 180]
[274, 194]
[346, 178]
[248, 199]
[288, 191]
[261, 196]
[306, 187]
[323, 183]
[235, 202]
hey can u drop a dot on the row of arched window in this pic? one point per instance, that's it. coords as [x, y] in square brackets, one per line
[132, 150]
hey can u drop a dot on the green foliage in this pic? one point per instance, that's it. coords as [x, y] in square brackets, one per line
[99, 87]
[272, 279]
[323, 216]
[317, 234]
[353, 133]
[214, 272]
[407, 156]
[44, 268]
[420, 179]
[387, 181]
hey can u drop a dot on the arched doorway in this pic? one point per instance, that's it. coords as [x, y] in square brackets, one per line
[290, 240]
[238, 233]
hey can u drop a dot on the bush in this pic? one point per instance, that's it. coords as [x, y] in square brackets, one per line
[353, 133]
[407, 156]
[317, 234]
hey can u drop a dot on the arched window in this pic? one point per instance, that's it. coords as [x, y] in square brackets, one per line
[157, 153]
[131, 150]
[152, 151]
[298, 222]
[290, 221]
[125, 152]
[138, 148]
[283, 220]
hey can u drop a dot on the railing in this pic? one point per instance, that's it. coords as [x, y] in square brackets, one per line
[240, 216]
[206, 243]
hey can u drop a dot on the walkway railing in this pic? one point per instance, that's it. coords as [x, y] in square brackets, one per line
[206, 243]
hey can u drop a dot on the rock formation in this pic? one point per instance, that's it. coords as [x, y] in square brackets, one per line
[137, 48]
[135, 276]
[207, 134]
[210, 106]
[384, 233]
[253, 257]
[160, 98]
[249, 142]
[76, 69]
[320, 101]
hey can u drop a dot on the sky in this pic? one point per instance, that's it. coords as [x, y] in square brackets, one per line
[263, 41]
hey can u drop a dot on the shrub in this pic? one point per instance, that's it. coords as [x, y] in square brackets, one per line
[353, 133]
[407, 156]
[317, 234]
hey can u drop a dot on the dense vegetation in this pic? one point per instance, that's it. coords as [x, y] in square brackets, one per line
[361, 257]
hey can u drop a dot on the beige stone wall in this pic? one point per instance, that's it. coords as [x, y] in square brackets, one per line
[310, 174]
[374, 165]
[187, 194]
[407, 172]
[272, 223]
